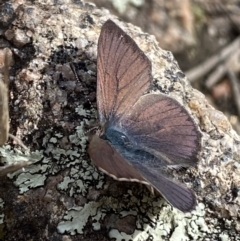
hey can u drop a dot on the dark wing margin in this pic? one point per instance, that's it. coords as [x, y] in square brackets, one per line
[123, 73]
[160, 125]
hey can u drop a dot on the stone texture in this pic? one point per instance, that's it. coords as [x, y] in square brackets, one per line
[62, 196]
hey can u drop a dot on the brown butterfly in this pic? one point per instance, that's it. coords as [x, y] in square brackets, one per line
[140, 134]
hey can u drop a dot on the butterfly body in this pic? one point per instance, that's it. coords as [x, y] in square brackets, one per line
[141, 134]
[126, 147]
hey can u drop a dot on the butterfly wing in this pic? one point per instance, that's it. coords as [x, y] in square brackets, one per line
[123, 73]
[110, 162]
[159, 125]
[177, 195]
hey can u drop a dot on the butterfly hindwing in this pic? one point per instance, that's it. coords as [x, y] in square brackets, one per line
[177, 195]
[108, 160]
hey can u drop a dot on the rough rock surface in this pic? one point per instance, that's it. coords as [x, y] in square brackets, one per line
[62, 196]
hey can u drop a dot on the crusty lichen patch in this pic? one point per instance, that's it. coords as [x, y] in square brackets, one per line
[51, 111]
[77, 218]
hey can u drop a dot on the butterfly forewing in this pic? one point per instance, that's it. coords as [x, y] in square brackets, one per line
[124, 73]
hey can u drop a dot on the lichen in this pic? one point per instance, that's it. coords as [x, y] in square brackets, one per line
[52, 113]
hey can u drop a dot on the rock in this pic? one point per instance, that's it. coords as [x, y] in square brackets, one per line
[62, 196]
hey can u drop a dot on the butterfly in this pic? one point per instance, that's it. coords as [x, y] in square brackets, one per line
[140, 134]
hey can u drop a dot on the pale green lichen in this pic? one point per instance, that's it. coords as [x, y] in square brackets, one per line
[76, 219]
[224, 236]
[154, 217]
[119, 236]
[11, 156]
[26, 181]
[121, 5]
[81, 111]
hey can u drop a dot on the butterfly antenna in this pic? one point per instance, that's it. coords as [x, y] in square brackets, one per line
[75, 73]
[77, 78]
[90, 130]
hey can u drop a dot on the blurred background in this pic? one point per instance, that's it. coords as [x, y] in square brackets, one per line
[203, 35]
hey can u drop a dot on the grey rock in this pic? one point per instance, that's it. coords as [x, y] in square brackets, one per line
[62, 196]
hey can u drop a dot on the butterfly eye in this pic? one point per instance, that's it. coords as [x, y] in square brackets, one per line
[125, 140]
[116, 138]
